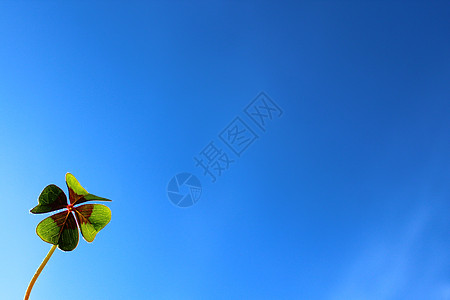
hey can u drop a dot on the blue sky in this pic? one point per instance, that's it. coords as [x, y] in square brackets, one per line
[345, 196]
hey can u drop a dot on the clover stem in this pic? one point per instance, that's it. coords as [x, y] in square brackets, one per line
[38, 272]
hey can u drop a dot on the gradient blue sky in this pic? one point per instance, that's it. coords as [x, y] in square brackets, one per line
[346, 196]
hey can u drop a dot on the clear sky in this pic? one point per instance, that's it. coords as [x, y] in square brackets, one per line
[344, 196]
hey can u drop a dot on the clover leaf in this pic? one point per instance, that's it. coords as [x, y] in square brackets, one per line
[61, 229]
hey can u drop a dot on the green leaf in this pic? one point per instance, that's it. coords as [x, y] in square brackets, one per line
[90, 197]
[59, 229]
[76, 191]
[92, 218]
[77, 194]
[51, 198]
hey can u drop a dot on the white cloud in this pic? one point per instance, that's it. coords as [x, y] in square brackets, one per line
[387, 268]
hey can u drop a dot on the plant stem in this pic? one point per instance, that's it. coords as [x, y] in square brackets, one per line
[38, 272]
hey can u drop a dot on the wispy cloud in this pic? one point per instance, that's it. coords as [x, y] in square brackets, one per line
[391, 268]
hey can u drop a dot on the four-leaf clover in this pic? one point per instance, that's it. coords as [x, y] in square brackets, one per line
[61, 228]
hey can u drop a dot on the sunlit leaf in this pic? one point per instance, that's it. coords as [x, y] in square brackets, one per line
[51, 198]
[92, 218]
[59, 229]
[76, 191]
[91, 197]
[78, 194]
